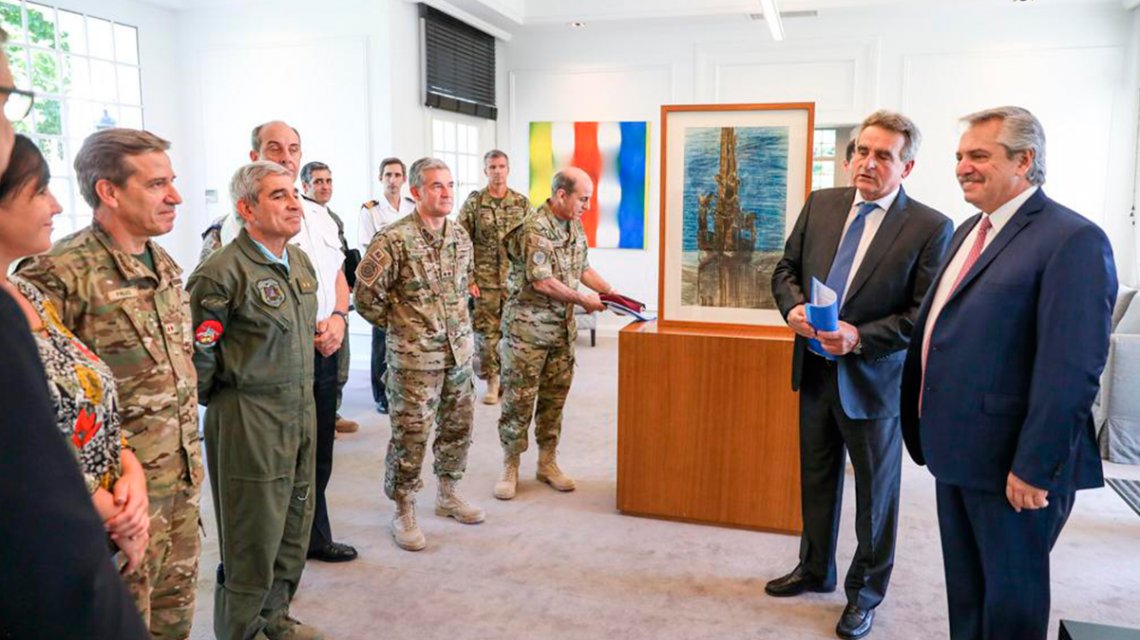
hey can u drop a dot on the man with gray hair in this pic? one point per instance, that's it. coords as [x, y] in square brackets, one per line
[548, 261]
[413, 282]
[254, 304]
[121, 294]
[878, 250]
[1001, 375]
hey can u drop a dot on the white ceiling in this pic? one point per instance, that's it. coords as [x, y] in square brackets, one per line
[505, 17]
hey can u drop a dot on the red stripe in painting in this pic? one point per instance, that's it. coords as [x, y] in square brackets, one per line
[589, 159]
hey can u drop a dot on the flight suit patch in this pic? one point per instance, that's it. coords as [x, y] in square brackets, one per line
[271, 292]
[214, 303]
[208, 333]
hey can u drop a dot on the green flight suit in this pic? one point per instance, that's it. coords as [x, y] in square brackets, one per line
[254, 324]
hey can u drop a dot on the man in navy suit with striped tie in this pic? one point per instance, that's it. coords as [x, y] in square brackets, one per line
[1001, 375]
[878, 249]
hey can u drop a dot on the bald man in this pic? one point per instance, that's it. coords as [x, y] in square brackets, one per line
[548, 261]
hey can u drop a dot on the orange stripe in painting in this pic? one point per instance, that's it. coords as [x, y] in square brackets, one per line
[589, 159]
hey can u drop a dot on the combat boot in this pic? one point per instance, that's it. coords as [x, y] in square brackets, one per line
[492, 395]
[285, 627]
[449, 503]
[549, 472]
[405, 531]
[509, 479]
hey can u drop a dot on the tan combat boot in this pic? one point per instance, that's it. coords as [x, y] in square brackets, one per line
[405, 531]
[344, 425]
[285, 627]
[492, 395]
[509, 479]
[549, 472]
[449, 503]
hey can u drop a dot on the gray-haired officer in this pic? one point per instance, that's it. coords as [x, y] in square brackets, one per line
[254, 309]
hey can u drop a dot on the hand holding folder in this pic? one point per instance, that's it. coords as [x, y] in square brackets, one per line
[822, 313]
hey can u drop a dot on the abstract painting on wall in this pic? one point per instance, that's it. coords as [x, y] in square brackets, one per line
[616, 156]
[735, 178]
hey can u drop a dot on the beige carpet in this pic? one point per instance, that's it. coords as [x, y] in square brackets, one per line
[549, 565]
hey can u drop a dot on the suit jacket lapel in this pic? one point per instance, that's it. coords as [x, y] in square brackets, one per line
[830, 237]
[1018, 222]
[884, 239]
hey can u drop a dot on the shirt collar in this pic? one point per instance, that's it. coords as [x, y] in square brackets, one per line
[283, 260]
[884, 203]
[1002, 214]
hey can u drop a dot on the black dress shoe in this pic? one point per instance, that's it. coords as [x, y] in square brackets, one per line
[855, 622]
[332, 552]
[795, 583]
[382, 408]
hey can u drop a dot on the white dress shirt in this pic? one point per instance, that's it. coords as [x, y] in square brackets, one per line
[373, 219]
[998, 219]
[871, 223]
[318, 238]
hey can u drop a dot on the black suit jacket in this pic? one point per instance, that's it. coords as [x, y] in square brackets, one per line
[1015, 358]
[56, 576]
[884, 295]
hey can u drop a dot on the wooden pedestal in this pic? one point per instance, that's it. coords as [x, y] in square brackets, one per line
[708, 427]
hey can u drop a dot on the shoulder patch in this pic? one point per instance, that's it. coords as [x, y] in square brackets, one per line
[369, 204]
[372, 266]
[208, 333]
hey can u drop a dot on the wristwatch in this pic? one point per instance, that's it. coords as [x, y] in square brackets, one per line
[343, 316]
[858, 350]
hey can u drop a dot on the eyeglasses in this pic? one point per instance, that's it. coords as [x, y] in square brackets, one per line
[19, 103]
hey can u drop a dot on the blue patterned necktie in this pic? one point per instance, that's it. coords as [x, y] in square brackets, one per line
[841, 266]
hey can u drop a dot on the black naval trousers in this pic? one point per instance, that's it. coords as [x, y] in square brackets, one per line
[379, 366]
[324, 395]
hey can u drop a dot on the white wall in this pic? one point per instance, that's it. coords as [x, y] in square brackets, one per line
[1069, 63]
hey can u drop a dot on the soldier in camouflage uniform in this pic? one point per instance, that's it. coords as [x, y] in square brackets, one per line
[487, 215]
[255, 306]
[548, 261]
[413, 282]
[121, 294]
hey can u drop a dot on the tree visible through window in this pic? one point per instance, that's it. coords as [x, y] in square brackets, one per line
[85, 72]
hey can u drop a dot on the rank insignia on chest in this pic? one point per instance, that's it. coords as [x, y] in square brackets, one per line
[539, 258]
[271, 292]
[208, 333]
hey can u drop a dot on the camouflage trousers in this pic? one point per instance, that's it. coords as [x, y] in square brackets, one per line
[532, 372]
[418, 401]
[343, 358]
[164, 586]
[488, 330]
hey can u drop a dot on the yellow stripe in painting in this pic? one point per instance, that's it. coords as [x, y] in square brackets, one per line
[541, 162]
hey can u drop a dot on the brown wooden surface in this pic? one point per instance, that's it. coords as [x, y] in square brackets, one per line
[708, 427]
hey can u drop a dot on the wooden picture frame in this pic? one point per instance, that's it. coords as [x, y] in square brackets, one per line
[734, 178]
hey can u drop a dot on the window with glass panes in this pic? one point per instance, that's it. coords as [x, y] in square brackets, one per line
[823, 160]
[457, 144]
[85, 73]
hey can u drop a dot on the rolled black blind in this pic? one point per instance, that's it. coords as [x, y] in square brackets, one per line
[458, 65]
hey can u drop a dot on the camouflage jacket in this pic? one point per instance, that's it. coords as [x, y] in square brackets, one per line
[543, 247]
[488, 220]
[414, 284]
[138, 322]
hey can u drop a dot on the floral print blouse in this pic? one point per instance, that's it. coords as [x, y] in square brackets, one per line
[82, 388]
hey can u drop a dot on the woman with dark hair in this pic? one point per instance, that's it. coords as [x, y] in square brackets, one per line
[80, 385]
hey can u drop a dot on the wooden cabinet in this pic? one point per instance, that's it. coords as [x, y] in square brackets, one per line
[708, 427]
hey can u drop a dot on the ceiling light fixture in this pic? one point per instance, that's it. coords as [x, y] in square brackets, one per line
[576, 24]
[772, 17]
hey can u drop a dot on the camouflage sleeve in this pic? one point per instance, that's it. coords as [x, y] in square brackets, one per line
[536, 254]
[374, 276]
[42, 272]
[467, 214]
[210, 304]
[585, 250]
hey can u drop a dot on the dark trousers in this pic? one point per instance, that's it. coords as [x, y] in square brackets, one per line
[324, 394]
[997, 562]
[379, 366]
[875, 447]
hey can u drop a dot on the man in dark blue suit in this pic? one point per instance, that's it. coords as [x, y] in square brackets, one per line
[879, 250]
[1000, 378]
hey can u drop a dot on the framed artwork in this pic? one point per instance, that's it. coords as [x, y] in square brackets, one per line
[616, 155]
[734, 177]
